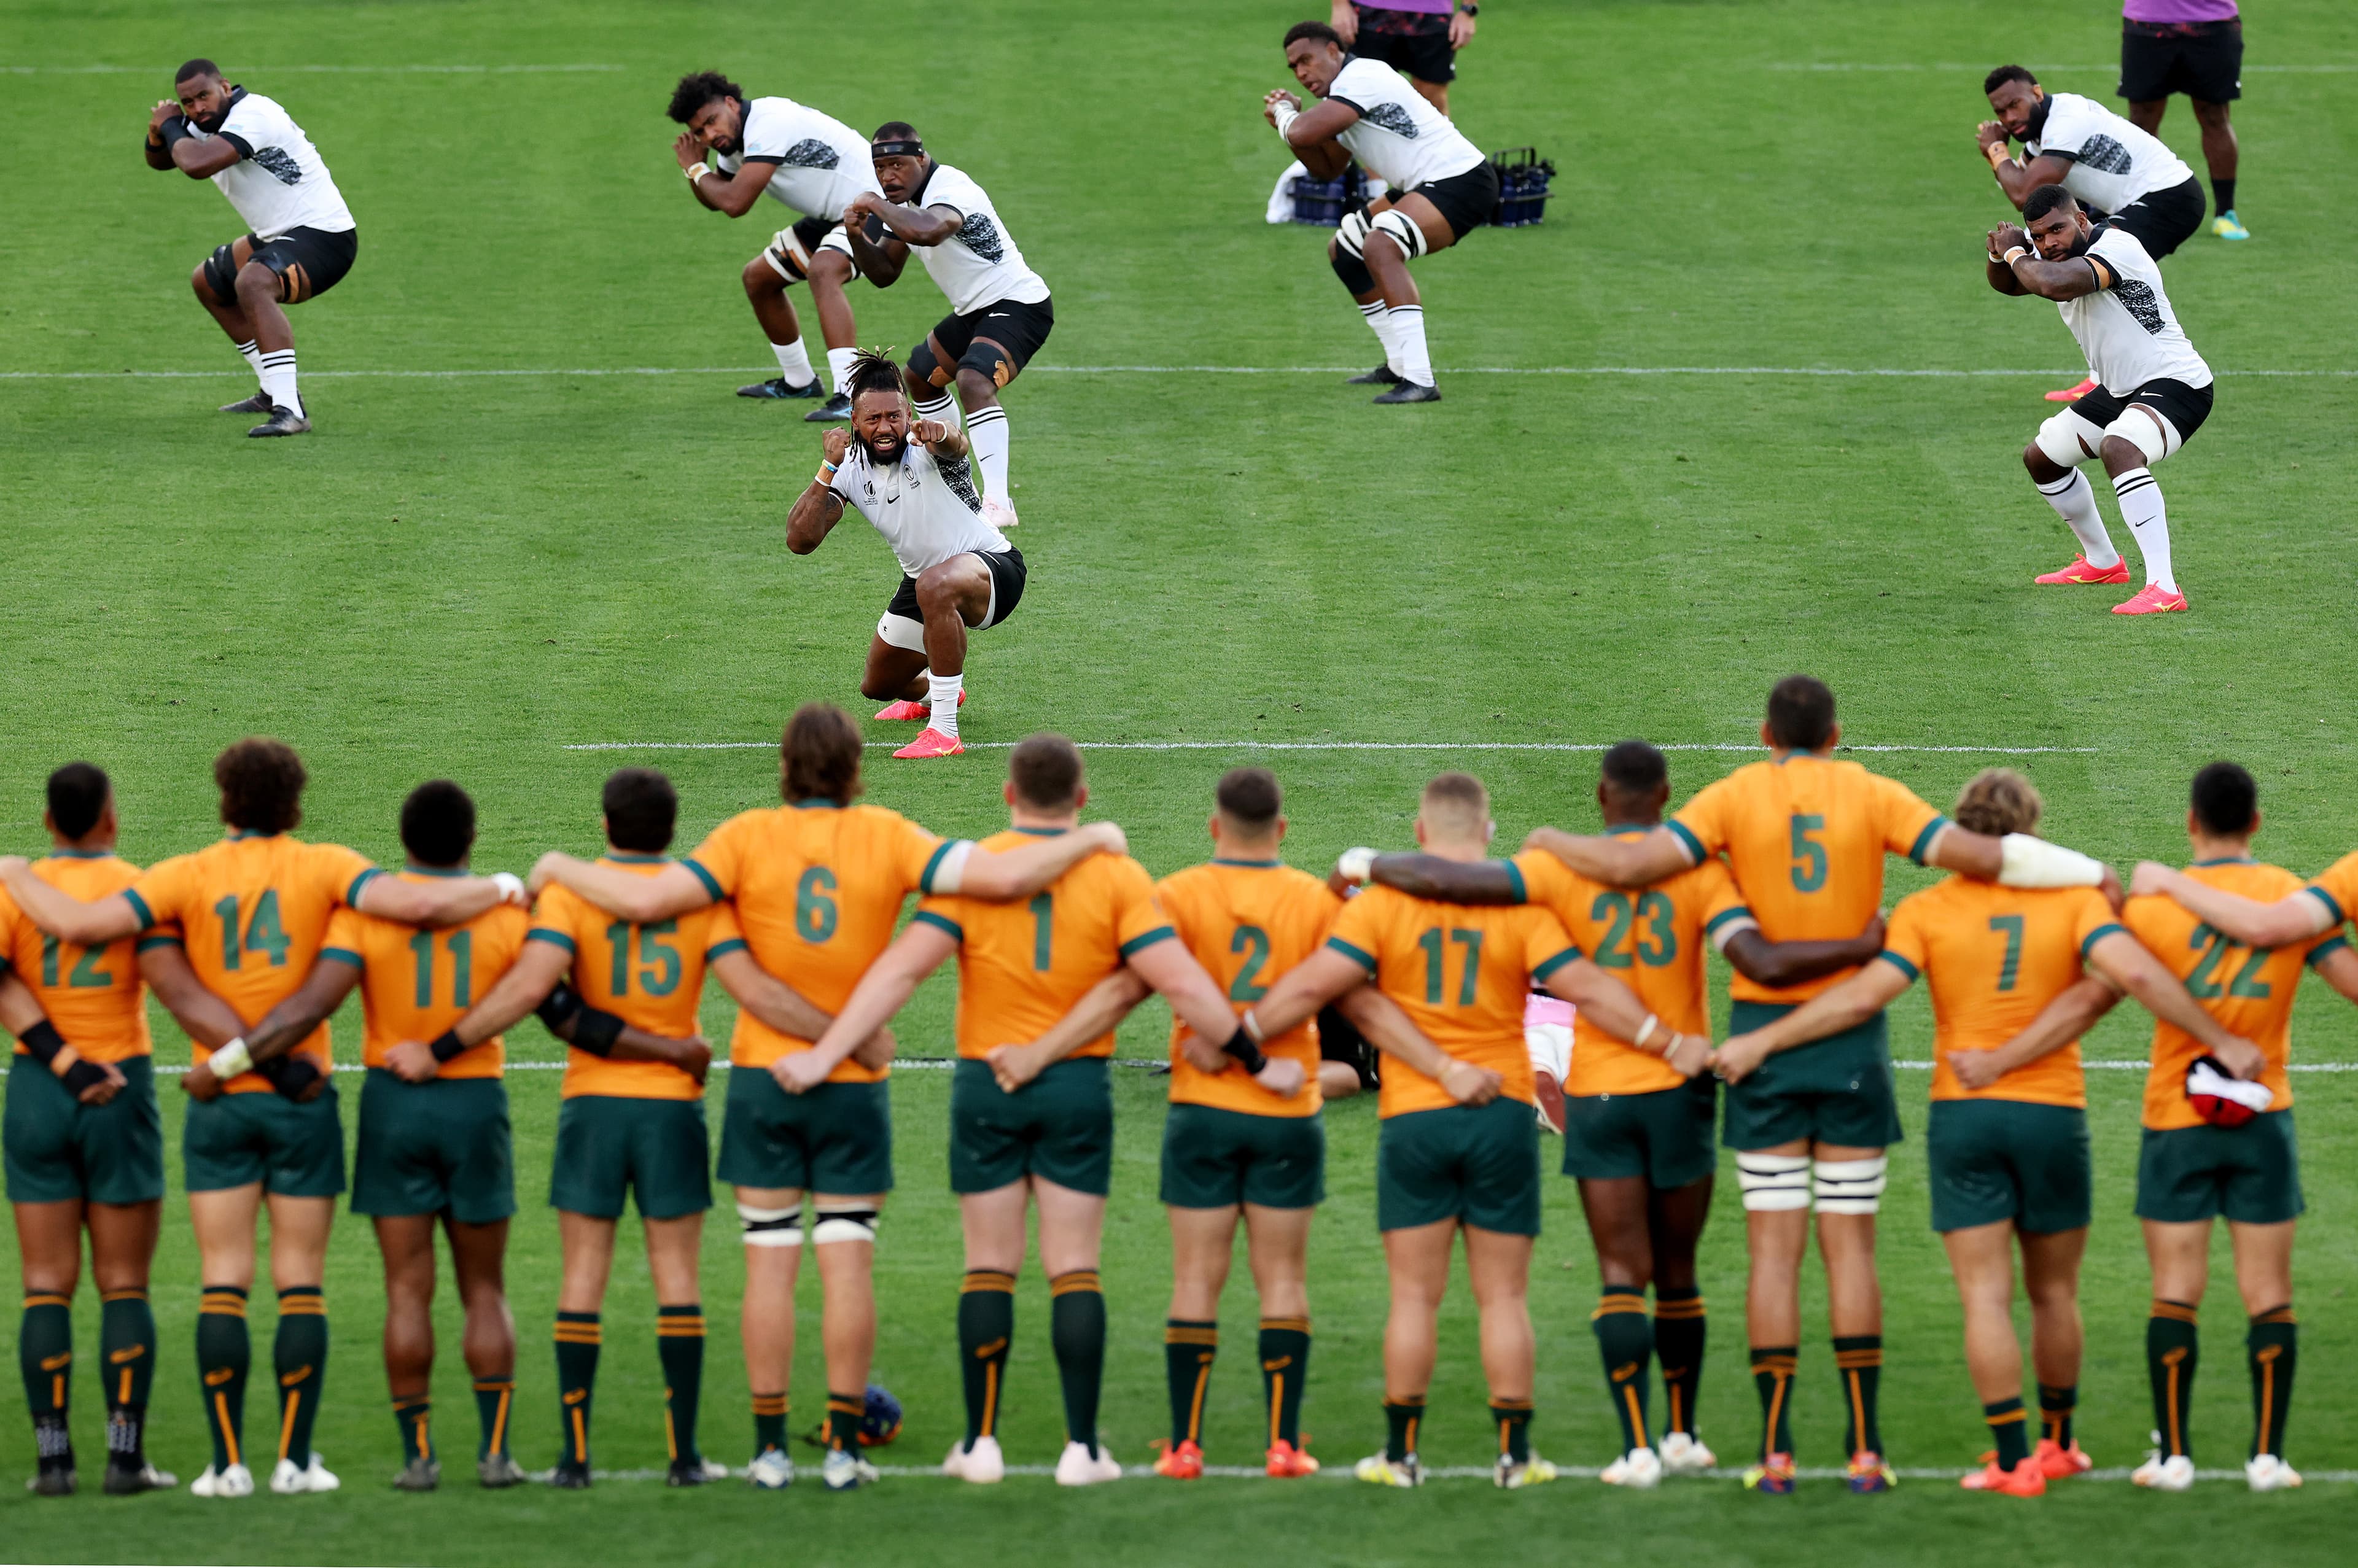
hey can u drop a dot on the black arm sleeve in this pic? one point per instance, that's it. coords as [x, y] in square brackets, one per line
[44, 1041]
[578, 1024]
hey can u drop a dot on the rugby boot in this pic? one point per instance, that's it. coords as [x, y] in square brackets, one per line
[499, 1471]
[1181, 1460]
[980, 1461]
[1513, 1477]
[772, 1470]
[53, 1479]
[2227, 226]
[2073, 394]
[1286, 1459]
[236, 1481]
[1381, 1470]
[2269, 1473]
[258, 403]
[567, 1477]
[2151, 600]
[420, 1475]
[2061, 1463]
[123, 1480]
[1409, 392]
[909, 712]
[776, 388]
[2080, 571]
[1077, 1467]
[1382, 376]
[844, 1471]
[2025, 1480]
[1774, 1475]
[2171, 1473]
[695, 1472]
[833, 410]
[282, 422]
[1638, 1469]
[1684, 1455]
[998, 514]
[291, 1480]
[932, 743]
[1868, 1473]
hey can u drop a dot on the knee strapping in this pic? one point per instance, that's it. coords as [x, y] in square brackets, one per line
[846, 1223]
[1773, 1183]
[1850, 1186]
[2147, 430]
[771, 1226]
[926, 367]
[2068, 439]
[1401, 228]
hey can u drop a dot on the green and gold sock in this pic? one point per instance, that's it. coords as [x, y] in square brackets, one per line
[1077, 1329]
[1858, 1358]
[414, 1416]
[494, 1397]
[2055, 1408]
[2273, 1346]
[45, 1356]
[1679, 1332]
[768, 1423]
[224, 1357]
[299, 1357]
[986, 1321]
[579, 1335]
[1513, 1420]
[126, 1340]
[679, 1346]
[2171, 1354]
[2009, 1427]
[1772, 1378]
[1284, 1364]
[1625, 1339]
[844, 1414]
[1188, 1347]
[1402, 1420]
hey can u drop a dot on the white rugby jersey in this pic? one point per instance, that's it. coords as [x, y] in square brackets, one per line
[928, 509]
[1398, 135]
[818, 164]
[279, 181]
[2113, 162]
[979, 264]
[2127, 330]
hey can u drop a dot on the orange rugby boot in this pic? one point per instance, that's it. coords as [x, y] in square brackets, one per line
[2061, 1463]
[932, 743]
[2027, 1479]
[2073, 394]
[2151, 600]
[2078, 571]
[1182, 1461]
[1286, 1459]
[911, 712]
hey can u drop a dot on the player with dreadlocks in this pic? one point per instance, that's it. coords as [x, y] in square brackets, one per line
[914, 479]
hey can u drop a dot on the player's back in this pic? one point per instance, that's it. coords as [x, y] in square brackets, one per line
[253, 910]
[1993, 959]
[1021, 966]
[650, 976]
[981, 263]
[2249, 991]
[1461, 973]
[817, 890]
[1652, 940]
[415, 983]
[818, 164]
[1248, 921]
[1806, 836]
[93, 995]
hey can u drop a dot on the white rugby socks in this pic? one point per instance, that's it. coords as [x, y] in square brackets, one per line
[943, 691]
[2142, 509]
[1408, 328]
[793, 362]
[987, 430]
[1378, 318]
[253, 357]
[279, 381]
[838, 367]
[942, 408]
[2074, 500]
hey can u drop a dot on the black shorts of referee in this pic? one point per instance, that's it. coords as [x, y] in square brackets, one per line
[2202, 59]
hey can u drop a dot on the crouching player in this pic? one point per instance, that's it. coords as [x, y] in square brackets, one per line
[1459, 1145]
[2007, 1142]
[1638, 1126]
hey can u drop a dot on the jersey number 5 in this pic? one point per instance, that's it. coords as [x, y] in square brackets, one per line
[1809, 854]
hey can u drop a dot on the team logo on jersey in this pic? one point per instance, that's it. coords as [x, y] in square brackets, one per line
[2139, 302]
[812, 153]
[281, 165]
[981, 235]
[2106, 154]
[1392, 118]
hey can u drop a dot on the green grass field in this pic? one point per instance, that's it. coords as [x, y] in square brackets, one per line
[503, 542]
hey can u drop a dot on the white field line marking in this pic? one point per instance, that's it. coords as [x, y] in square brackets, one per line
[2113, 65]
[1807, 371]
[164, 72]
[1321, 746]
[1336, 1472]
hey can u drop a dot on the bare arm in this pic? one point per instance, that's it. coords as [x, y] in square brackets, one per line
[2122, 960]
[1107, 1003]
[818, 508]
[1310, 134]
[675, 890]
[1846, 1006]
[2073, 1014]
[1613, 1007]
[64, 916]
[2018, 177]
[203, 160]
[1388, 1027]
[2066, 279]
[1976, 855]
[879, 264]
[918, 951]
[926, 226]
[1305, 988]
[765, 996]
[2295, 917]
[285, 1026]
[1620, 860]
[523, 988]
[730, 195]
[1007, 876]
[1450, 882]
[2339, 970]
[19, 1008]
[1781, 964]
[942, 439]
[206, 1018]
[441, 901]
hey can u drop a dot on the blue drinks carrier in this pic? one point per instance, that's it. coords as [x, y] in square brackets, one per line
[1322, 203]
[1523, 179]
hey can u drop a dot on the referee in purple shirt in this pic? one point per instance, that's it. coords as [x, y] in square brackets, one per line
[1418, 38]
[2194, 47]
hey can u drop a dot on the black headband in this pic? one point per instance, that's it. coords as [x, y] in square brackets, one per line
[909, 148]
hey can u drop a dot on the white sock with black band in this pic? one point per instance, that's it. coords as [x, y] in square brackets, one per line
[941, 408]
[253, 357]
[1378, 318]
[279, 381]
[2074, 500]
[2142, 509]
[1408, 327]
[987, 430]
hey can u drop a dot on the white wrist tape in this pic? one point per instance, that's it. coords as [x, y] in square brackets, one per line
[230, 1060]
[1645, 1030]
[1355, 865]
[2014, 252]
[2028, 863]
[510, 887]
[1285, 114]
[698, 170]
[951, 874]
[1251, 1025]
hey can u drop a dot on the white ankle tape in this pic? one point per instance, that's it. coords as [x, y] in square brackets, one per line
[1850, 1186]
[1771, 1183]
[844, 1224]
[771, 1226]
